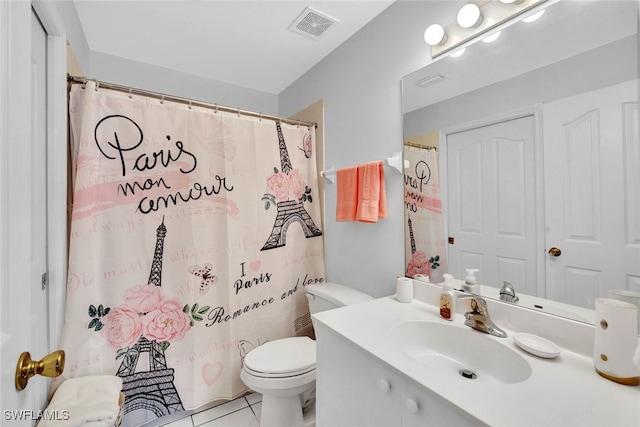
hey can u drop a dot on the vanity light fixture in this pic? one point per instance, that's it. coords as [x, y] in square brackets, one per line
[434, 35]
[476, 19]
[469, 16]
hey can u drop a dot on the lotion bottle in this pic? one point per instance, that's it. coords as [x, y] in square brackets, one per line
[447, 298]
[470, 282]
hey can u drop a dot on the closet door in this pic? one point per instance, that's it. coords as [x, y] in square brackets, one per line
[592, 187]
[492, 203]
[23, 248]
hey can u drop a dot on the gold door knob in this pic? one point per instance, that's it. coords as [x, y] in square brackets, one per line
[51, 365]
[555, 251]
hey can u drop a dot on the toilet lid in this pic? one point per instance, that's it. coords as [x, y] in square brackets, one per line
[284, 356]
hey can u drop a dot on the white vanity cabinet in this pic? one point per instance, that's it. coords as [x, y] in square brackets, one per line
[353, 388]
[370, 373]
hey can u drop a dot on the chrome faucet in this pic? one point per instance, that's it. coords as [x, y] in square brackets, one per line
[478, 318]
[508, 294]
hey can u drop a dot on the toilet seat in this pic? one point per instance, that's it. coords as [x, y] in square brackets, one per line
[282, 358]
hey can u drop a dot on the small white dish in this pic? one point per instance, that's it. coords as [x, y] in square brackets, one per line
[536, 345]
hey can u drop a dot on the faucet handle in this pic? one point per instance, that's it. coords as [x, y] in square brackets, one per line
[508, 294]
[478, 318]
[478, 304]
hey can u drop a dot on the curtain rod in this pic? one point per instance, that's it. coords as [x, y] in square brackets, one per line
[418, 145]
[162, 97]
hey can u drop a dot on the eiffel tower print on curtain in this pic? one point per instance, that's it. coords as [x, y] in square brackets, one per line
[152, 390]
[289, 211]
[413, 241]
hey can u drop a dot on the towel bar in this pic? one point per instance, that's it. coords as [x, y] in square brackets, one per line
[395, 162]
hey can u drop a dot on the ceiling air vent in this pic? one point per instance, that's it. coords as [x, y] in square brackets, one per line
[431, 80]
[312, 24]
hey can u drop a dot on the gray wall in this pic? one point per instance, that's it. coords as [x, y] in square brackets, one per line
[75, 33]
[136, 74]
[601, 67]
[360, 85]
[125, 72]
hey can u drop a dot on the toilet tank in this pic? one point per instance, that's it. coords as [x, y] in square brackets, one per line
[327, 296]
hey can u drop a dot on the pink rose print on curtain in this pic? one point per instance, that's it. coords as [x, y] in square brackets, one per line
[278, 184]
[282, 186]
[418, 264]
[124, 327]
[143, 298]
[297, 186]
[147, 313]
[167, 322]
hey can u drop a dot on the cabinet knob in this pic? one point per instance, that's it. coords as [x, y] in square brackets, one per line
[412, 406]
[384, 386]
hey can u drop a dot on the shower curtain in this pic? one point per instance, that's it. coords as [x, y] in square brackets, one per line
[425, 250]
[193, 234]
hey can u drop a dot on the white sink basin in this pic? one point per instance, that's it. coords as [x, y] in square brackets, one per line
[470, 355]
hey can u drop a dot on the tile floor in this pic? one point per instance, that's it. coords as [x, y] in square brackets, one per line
[241, 412]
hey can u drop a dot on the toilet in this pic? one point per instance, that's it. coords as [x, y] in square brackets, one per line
[284, 370]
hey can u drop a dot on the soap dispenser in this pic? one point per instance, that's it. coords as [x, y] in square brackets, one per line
[470, 282]
[447, 298]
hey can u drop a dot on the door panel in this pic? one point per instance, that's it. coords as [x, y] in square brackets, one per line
[491, 197]
[39, 291]
[631, 138]
[24, 306]
[592, 187]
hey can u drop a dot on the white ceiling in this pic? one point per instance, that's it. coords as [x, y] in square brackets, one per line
[244, 43]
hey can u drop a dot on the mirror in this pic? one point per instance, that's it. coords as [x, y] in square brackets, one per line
[537, 136]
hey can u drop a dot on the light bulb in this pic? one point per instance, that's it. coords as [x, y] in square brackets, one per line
[458, 53]
[511, 1]
[534, 17]
[435, 35]
[469, 16]
[491, 38]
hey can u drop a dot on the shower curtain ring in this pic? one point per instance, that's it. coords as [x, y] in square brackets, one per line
[216, 108]
[238, 113]
[260, 116]
[162, 99]
[298, 124]
[130, 90]
[97, 85]
[189, 104]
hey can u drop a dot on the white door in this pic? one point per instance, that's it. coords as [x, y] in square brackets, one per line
[592, 187]
[24, 241]
[492, 203]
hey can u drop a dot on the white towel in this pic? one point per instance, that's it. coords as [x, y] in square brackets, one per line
[85, 401]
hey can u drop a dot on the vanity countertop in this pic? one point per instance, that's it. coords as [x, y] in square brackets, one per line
[563, 391]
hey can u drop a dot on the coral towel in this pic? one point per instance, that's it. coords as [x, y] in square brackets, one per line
[347, 187]
[372, 200]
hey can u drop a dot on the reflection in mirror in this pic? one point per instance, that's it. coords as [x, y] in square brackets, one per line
[539, 156]
[425, 249]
